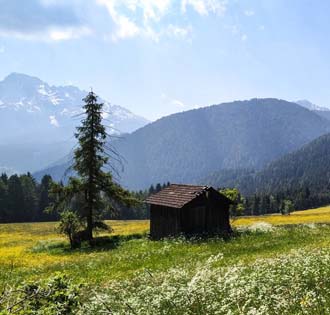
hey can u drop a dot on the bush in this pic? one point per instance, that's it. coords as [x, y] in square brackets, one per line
[57, 296]
[70, 225]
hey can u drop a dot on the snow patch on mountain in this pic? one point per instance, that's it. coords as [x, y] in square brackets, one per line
[36, 105]
[38, 121]
[309, 105]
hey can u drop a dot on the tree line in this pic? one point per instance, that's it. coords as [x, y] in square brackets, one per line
[23, 199]
[284, 202]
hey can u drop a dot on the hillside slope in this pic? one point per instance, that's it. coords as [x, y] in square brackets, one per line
[308, 166]
[243, 134]
[188, 146]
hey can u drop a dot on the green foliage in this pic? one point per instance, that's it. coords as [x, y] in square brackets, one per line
[22, 199]
[237, 207]
[94, 193]
[287, 207]
[57, 296]
[38, 197]
[70, 225]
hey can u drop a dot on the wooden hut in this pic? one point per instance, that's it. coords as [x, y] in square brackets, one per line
[188, 209]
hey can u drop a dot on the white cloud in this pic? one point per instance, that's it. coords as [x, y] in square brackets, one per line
[41, 20]
[2, 50]
[53, 121]
[125, 28]
[178, 103]
[249, 12]
[168, 100]
[69, 33]
[178, 32]
[244, 37]
[143, 18]
[49, 35]
[204, 7]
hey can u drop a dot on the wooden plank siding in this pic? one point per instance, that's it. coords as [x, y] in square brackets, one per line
[164, 221]
[207, 212]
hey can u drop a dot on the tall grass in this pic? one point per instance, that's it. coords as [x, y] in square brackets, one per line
[298, 283]
[263, 269]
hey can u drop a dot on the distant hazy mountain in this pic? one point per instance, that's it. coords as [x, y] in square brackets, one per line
[37, 121]
[185, 147]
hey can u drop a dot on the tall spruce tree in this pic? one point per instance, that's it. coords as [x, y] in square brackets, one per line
[90, 157]
[94, 191]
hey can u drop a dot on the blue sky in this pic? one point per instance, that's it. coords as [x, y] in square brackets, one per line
[157, 57]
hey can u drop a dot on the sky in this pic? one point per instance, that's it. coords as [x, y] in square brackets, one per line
[158, 57]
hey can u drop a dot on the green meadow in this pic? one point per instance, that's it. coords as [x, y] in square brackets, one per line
[262, 269]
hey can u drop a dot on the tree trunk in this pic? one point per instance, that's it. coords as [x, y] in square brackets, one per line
[89, 228]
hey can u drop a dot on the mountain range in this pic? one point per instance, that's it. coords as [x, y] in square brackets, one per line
[188, 146]
[37, 121]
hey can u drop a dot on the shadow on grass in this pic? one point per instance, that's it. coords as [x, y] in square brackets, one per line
[102, 243]
[99, 244]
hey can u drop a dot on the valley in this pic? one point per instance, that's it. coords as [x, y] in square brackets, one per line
[164, 157]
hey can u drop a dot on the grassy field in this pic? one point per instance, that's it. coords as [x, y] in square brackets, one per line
[127, 259]
[320, 215]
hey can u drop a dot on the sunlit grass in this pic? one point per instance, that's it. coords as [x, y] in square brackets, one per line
[36, 250]
[16, 240]
[320, 215]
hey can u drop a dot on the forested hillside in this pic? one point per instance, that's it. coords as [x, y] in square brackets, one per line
[308, 166]
[187, 146]
[302, 177]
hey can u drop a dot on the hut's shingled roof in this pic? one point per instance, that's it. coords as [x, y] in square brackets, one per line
[176, 196]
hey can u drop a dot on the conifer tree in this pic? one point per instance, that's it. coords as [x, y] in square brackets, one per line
[44, 198]
[90, 157]
[94, 191]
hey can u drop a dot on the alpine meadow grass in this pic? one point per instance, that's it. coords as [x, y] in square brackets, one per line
[271, 265]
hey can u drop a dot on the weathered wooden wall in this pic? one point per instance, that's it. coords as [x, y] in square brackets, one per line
[208, 213]
[164, 221]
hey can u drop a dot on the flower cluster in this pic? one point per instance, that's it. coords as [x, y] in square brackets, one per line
[297, 283]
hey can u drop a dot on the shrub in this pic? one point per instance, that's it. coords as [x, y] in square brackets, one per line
[57, 296]
[70, 225]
